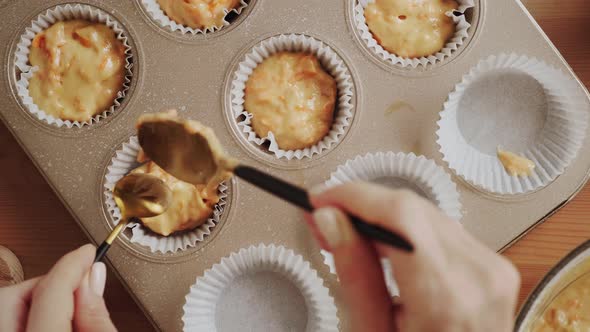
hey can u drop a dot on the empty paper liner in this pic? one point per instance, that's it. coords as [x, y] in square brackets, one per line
[521, 105]
[260, 288]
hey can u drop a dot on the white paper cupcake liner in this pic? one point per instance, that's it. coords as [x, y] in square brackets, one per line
[461, 33]
[419, 171]
[203, 300]
[155, 11]
[331, 63]
[44, 21]
[124, 161]
[555, 145]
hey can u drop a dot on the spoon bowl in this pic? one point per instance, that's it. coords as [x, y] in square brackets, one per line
[141, 196]
[137, 196]
[187, 150]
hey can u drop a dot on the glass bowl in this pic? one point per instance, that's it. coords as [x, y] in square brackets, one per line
[571, 268]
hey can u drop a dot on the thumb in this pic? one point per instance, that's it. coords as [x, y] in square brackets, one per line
[91, 313]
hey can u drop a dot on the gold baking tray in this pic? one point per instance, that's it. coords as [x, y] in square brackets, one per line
[192, 73]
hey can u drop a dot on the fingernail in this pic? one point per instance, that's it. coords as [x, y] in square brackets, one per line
[317, 189]
[333, 226]
[98, 278]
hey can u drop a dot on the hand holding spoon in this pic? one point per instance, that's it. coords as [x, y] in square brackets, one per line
[137, 196]
[191, 152]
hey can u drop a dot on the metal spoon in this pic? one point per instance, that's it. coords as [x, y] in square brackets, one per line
[191, 152]
[137, 196]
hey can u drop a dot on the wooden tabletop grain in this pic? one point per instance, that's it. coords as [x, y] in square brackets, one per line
[567, 23]
[36, 226]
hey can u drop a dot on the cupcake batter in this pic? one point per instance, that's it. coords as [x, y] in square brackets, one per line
[569, 310]
[81, 69]
[514, 164]
[411, 28]
[290, 95]
[188, 209]
[198, 14]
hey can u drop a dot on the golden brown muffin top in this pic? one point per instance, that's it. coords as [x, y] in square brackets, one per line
[290, 95]
[411, 28]
[198, 14]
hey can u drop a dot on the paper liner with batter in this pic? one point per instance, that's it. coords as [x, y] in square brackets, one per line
[25, 72]
[124, 161]
[203, 298]
[429, 179]
[552, 147]
[461, 33]
[330, 62]
[155, 11]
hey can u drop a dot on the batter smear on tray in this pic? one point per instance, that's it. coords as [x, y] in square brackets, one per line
[290, 95]
[198, 14]
[411, 28]
[81, 68]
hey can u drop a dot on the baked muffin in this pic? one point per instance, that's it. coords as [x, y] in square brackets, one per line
[290, 95]
[198, 14]
[411, 28]
[81, 69]
[188, 208]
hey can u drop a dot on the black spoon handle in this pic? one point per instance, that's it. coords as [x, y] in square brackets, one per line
[300, 198]
[101, 251]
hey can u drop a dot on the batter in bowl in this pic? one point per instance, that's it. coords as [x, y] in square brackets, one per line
[569, 311]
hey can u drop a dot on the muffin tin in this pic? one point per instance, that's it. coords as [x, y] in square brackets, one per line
[193, 73]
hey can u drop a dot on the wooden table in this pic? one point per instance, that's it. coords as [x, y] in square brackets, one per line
[567, 24]
[35, 225]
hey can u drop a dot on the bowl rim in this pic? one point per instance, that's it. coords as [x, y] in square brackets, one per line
[531, 300]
